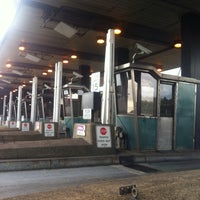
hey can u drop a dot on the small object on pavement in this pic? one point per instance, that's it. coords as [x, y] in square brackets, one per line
[129, 189]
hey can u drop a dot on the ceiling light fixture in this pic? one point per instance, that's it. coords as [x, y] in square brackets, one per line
[159, 68]
[117, 31]
[50, 70]
[21, 48]
[100, 41]
[8, 65]
[73, 56]
[177, 44]
[44, 73]
[65, 61]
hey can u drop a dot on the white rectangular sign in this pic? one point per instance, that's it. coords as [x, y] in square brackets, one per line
[95, 82]
[12, 124]
[4, 123]
[49, 130]
[87, 113]
[37, 126]
[103, 136]
[80, 130]
[25, 126]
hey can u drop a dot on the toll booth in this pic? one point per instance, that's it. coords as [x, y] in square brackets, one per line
[72, 98]
[156, 111]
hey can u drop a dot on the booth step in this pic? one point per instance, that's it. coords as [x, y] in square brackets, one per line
[50, 148]
[4, 128]
[20, 136]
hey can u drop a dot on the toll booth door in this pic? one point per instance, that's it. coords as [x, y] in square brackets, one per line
[185, 116]
[166, 119]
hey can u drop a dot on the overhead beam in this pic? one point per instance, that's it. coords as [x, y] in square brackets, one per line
[32, 47]
[36, 67]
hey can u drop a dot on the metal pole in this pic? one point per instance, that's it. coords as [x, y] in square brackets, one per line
[71, 107]
[34, 99]
[57, 92]
[19, 104]
[42, 105]
[4, 108]
[108, 91]
[10, 106]
[25, 110]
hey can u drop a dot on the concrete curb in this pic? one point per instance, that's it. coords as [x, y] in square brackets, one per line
[159, 157]
[54, 163]
[83, 161]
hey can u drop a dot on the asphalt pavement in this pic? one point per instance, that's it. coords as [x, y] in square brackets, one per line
[28, 182]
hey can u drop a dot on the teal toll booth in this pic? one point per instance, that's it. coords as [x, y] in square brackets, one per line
[72, 97]
[156, 111]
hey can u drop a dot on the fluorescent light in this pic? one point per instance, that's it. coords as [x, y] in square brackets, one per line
[65, 30]
[32, 58]
[17, 72]
[5, 81]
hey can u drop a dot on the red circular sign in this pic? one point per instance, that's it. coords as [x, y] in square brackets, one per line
[49, 126]
[25, 124]
[103, 131]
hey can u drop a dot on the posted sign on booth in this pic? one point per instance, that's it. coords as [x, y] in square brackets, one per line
[49, 130]
[103, 136]
[25, 126]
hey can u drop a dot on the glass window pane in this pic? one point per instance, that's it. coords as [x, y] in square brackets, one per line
[124, 93]
[167, 100]
[148, 94]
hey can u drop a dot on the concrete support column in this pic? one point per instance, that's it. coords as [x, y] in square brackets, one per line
[190, 33]
[190, 58]
[34, 100]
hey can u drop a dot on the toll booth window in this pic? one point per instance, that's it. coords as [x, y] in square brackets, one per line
[166, 100]
[148, 94]
[76, 104]
[124, 93]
